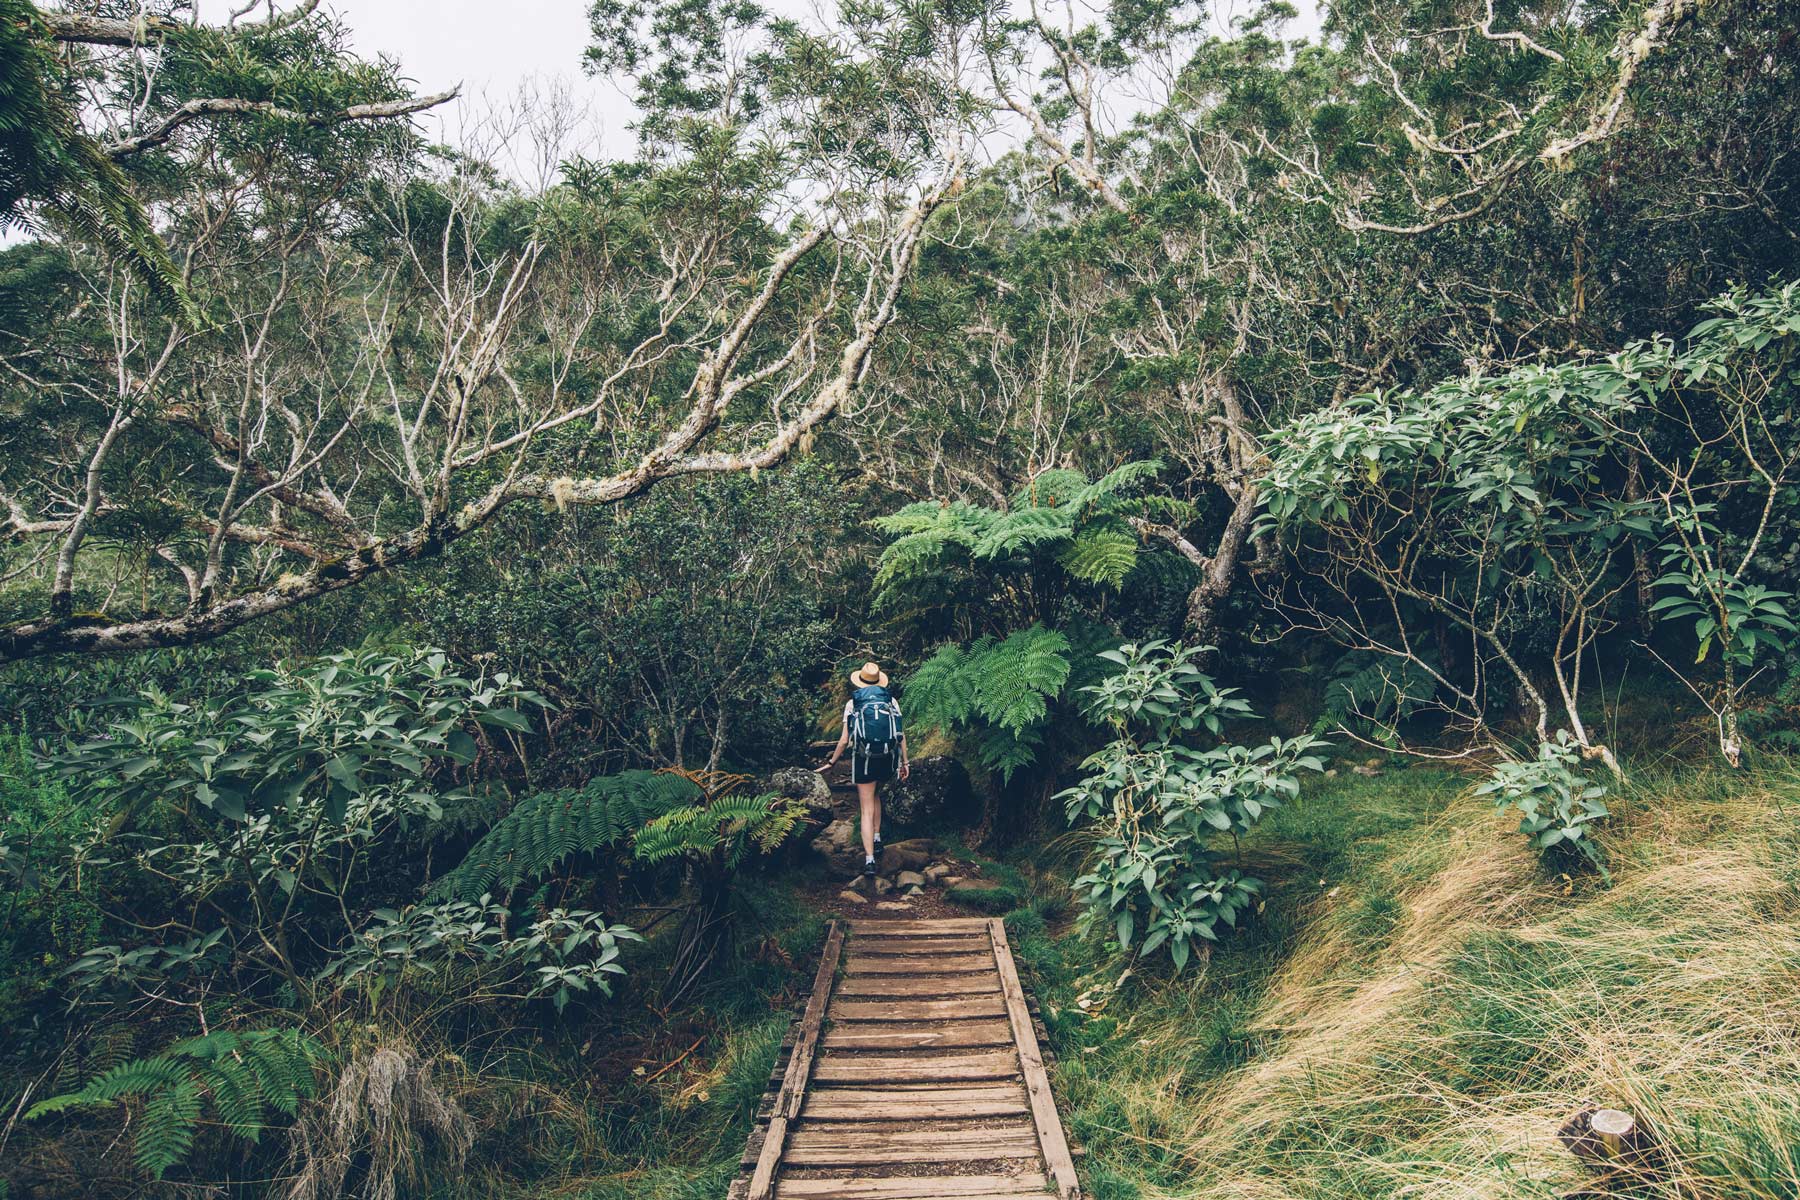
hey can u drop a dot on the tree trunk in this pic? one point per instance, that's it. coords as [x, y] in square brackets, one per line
[1220, 571]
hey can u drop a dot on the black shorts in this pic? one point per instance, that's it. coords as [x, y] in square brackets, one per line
[878, 769]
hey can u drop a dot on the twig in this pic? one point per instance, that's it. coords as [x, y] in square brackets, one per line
[676, 1061]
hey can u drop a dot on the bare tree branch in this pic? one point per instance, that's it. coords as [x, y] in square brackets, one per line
[194, 110]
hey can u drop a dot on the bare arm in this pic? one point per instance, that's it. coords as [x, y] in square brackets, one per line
[843, 741]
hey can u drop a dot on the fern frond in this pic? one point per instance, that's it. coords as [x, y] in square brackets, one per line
[949, 520]
[548, 828]
[1103, 556]
[1016, 679]
[940, 694]
[1054, 488]
[1005, 752]
[236, 1097]
[913, 555]
[731, 823]
[165, 1132]
[240, 1075]
[1127, 478]
[1023, 529]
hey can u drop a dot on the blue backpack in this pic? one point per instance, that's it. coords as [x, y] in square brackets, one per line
[874, 722]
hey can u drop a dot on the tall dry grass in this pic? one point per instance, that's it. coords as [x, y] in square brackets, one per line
[1434, 1053]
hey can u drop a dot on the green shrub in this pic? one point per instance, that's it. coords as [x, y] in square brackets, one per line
[1158, 803]
[1556, 803]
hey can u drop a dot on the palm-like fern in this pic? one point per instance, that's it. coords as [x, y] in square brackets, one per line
[550, 827]
[241, 1076]
[47, 158]
[1085, 523]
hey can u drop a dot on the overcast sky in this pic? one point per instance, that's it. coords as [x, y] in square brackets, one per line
[492, 49]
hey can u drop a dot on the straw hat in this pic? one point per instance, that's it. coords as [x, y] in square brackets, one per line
[871, 675]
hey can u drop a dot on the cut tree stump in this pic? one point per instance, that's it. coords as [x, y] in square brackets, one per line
[1614, 1145]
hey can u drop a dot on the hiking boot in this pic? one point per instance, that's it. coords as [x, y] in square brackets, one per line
[877, 849]
[869, 869]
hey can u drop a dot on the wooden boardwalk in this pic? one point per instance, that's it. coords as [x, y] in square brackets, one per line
[914, 1073]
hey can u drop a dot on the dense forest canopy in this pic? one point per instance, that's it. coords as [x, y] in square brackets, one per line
[417, 582]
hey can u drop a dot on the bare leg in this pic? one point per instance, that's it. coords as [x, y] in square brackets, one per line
[871, 816]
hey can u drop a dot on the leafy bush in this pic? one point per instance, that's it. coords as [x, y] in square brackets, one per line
[274, 815]
[238, 1076]
[1158, 804]
[324, 731]
[1556, 803]
[559, 954]
[42, 918]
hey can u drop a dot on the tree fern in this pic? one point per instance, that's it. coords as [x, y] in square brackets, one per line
[1061, 516]
[550, 827]
[998, 691]
[241, 1076]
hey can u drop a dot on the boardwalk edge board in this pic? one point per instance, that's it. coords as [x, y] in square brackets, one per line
[926, 1076]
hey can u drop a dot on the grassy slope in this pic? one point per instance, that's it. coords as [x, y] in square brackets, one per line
[1423, 1005]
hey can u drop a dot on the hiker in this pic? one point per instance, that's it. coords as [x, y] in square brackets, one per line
[872, 727]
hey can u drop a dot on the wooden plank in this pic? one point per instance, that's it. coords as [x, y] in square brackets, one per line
[902, 1009]
[873, 947]
[920, 927]
[924, 987]
[875, 1132]
[914, 1036]
[799, 1070]
[1037, 1084]
[869, 1152]
[934, 1104]
[840, 1068]
[934, 964]
[905, 1187]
